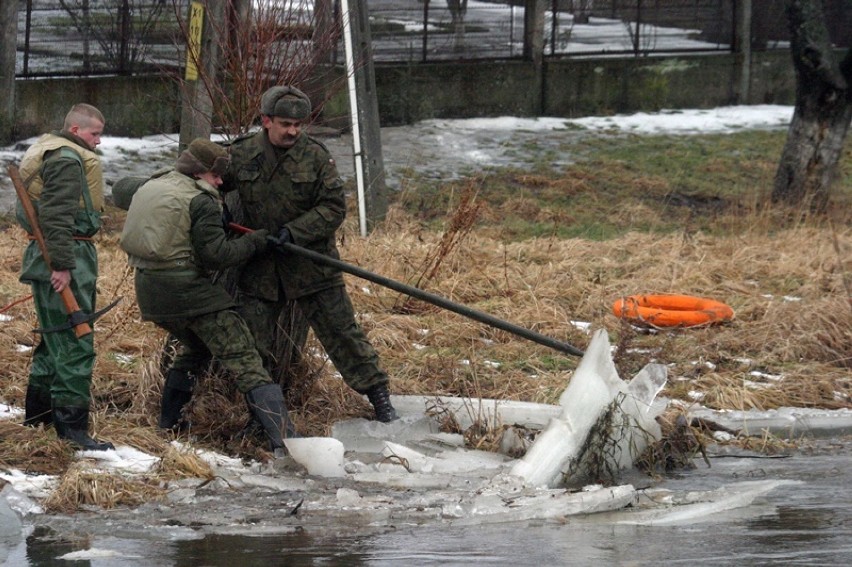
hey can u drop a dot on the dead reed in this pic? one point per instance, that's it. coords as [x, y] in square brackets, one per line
[790, 343]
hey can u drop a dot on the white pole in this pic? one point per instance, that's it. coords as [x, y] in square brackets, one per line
[353, 110]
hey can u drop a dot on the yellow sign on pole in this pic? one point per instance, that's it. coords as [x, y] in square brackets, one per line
[193, 43]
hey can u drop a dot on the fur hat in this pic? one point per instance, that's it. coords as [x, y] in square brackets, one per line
[286, 102]
[202, 156]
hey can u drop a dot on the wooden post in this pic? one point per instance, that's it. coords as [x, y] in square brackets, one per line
[534, 11]
[8, 49]
[742, 50]
[205, 21]
[366, 129]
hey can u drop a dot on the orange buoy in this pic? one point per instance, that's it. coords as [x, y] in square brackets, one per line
[671, 310]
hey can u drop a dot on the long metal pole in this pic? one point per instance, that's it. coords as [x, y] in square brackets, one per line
[349, 50]
[426, 296]
[434, 300]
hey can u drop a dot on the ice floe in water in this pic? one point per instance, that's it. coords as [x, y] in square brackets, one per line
[410, 471]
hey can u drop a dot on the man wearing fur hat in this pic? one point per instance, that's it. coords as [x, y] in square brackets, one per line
[174, 238]
[64, 181]
[288, 184]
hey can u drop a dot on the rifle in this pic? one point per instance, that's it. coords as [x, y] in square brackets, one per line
[77, 318]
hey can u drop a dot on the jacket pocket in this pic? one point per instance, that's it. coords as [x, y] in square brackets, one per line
[250, 189]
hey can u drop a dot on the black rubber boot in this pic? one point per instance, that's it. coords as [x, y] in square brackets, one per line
[37, 408]
[73, 424]
[267, 404]
[379, 396]
[177, 391]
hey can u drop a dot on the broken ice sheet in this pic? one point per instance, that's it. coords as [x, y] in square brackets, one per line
[321, 456]
[459, 461]
[367, 436]
[595, 390]
[706, 506]
[592, 388]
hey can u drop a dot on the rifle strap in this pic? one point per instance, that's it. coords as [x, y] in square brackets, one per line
[89, 238]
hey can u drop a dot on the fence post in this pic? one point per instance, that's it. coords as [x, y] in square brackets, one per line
[742, 51]
[8, 47]
[636, 36]
[425, 30]
[124, 31]
[534, 48]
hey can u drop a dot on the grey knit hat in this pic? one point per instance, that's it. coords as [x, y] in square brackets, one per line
[286, 102]
[202, 156]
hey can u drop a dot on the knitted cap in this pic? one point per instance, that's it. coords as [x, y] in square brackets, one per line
[202, 156]
[286, 102]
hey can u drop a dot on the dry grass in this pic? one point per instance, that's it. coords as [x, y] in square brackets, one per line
[787, 282]
[79, 487]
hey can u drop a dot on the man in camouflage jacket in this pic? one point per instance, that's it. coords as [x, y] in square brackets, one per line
[288, 184]
[174, 239]
[64, 181]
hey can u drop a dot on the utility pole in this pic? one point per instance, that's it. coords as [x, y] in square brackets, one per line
[8, 51]
[364, 109]
[206, 19]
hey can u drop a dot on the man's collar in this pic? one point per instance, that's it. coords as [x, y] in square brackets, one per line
[72, 138]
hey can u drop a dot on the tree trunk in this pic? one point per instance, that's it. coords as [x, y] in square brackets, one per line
[822, 114]
[8, 46]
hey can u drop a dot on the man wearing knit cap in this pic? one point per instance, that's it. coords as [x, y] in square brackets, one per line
[288, 184]
[174, 238]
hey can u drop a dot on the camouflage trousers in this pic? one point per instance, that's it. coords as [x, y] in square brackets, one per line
[331, 316]
[224, 335]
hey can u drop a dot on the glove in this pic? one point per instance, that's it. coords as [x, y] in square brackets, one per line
[284, 236]
[259, 238]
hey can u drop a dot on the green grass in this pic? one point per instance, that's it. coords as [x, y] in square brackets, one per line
[618, 184]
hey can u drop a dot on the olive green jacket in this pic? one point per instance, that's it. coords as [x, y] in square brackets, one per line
[300, 190]
[187, 291]
[61, 216]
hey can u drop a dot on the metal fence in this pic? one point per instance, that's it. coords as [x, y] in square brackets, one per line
[87, 37]
[432, 30]
[91, 37]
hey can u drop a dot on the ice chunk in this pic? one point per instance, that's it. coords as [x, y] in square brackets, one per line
[91, 553]
[730, 497]
[469, 410]
[397, 455]
[364, 436]
[20, 502]
[540, 505]
[321, 456]
[400, 478]
[789, 422]
[604, 425]
[10, 524]
[348, 497]
[459, 461]
[592, 389]
[628, 428]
